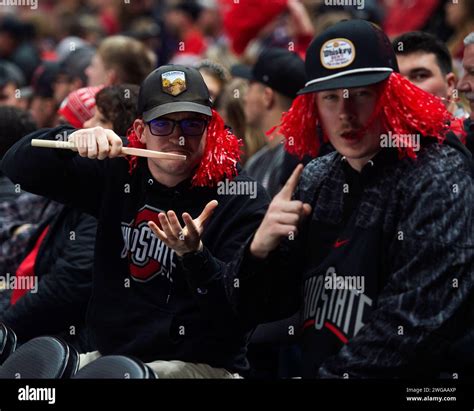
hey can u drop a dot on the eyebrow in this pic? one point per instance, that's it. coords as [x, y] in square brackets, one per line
[419, 69]
[185, 118]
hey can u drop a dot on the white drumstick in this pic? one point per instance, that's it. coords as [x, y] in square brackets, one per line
[129, 151]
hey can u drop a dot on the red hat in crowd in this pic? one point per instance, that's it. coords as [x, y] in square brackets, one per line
[78, 106]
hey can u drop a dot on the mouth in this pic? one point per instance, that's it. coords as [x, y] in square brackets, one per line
[177, 151]
[470, 97]
[349, 134]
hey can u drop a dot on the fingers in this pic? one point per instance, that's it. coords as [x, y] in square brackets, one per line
[78, 139]
[294, 206]
[174, 236]
[159, 233]
[103, 148]
[175, 225]
[207, 212]
[167, 228]
[115, 144]
[286, 218]
[291, 184]
[97, 143]
[192, 229]
[307, 209]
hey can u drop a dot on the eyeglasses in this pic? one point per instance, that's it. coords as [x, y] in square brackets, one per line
[192, 127]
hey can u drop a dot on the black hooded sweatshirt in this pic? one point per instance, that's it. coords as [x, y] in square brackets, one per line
[145, 301]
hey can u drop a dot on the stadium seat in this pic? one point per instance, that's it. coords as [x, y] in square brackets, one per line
[7, 342]
[116, 367]
[41, 357]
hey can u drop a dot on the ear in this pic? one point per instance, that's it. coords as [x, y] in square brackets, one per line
[112, 77]
[139, 128]
[77, 83]
[268, 98]
[451, 81]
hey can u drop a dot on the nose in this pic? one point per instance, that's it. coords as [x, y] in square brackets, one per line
[347, 112]
[464, 85]
[177, 136]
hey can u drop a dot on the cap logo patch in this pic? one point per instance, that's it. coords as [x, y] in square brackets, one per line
[337, 53]
[173, 82]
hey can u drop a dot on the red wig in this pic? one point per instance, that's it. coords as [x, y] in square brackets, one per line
[221, 153]
[405, 110]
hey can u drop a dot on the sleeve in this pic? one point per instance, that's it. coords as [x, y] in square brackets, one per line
[61, 175]
[270, 289]
[63, 293]
[13, 249]
[26, 209]
[209, 274]
[423, 305]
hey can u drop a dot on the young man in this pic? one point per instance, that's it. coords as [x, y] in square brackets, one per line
[426, 62]
[164, 300]
[120, 59]
[376, 245]
[466, 86]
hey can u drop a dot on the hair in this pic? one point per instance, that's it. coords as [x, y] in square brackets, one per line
[130, 58]
[469, 39]
[418, 41]
[15, 123]
[284, 102]
[231, 103]
[118, 104]
[216, 70]
[190, 8]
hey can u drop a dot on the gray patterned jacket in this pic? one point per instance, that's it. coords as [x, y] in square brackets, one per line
[409, 232]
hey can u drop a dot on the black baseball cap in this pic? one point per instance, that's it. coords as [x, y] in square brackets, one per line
[277, 68]
[43, 79]
[75, 63]
[173, 88]
[11, 73]
[351, 53]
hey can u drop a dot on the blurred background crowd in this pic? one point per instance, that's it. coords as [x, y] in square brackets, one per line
[50, 48]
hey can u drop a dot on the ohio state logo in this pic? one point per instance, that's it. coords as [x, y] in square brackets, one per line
[147, 255]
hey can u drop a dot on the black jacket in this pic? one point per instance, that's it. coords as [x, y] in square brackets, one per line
[63, 268]
[403, 227]
[145, 301]
[469, 127]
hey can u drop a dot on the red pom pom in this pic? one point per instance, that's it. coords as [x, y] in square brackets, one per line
[408, 110]
[221, 154]
[298, 125]
[134, 142]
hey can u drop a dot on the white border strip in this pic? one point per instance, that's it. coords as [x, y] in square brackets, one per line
[343, 73]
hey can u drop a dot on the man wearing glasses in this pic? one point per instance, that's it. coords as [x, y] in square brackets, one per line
[165, 231]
